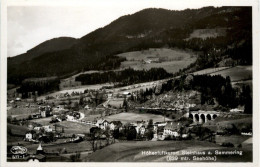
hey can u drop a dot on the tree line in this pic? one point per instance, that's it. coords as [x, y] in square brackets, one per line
[41, 87]
[213, 87]
[125, 77]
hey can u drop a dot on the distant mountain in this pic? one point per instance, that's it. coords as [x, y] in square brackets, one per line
[55, 44]
[148, 28]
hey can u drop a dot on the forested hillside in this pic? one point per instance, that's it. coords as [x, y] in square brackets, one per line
[149, 28]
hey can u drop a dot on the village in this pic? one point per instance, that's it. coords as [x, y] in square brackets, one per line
[129, 82]
[101, 117]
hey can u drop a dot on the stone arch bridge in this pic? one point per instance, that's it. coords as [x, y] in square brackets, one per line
[202, 116]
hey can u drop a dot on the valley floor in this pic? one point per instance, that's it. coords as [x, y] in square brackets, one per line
[138, 151]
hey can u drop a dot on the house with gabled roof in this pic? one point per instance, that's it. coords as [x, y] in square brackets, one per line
[45, 111]
[115, 125]
[30, 135]
[102, 124]
[172, 129]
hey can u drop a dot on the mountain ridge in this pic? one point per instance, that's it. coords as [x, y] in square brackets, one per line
[148, 28]
[51, 45]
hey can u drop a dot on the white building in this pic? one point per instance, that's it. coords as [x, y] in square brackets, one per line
[70, 118]
[37, 128]
[28, 136]
[115, 124]
[47, 128]
[102, 124]
[171, 129]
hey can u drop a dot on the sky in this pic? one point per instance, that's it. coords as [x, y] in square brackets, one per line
[28, 26]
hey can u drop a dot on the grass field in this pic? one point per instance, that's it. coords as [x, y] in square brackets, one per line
[14, 112]
[170, 59]
[236, 73]
[92, 117]
[116, 103]
[42, 121]
[79, 89]
[209, 70]
[133, 117]
[91, 112]
[17, 130]
[54, 147]
[208, 33]
[131, 151]
[18, 133]
[74, 127]
[239, 123]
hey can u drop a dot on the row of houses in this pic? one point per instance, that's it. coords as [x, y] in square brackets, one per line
[161, 129]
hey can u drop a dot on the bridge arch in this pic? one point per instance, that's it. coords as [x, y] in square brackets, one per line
[203, 118]
[191, 116]
[214, 116]
[208, 117]
[197, 117]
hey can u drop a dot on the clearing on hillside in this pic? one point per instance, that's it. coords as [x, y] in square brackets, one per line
[172, 60]
[208, 33]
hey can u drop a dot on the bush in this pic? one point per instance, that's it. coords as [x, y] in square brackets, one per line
[149, 134]
[232, 129]
[29, 117]
[131, 134]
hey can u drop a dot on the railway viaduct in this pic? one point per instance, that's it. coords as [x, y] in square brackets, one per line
[202, 116]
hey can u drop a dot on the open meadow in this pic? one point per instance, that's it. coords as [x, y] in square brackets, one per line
[131, 151]
[54, 147]
[74, 127]
[133, 117]
[209, 70]
[170, 59]
[42, 121]
[208, 33]
[236, 73]
[117, 103]
[15, 133]
[21, 112]
[79, 89]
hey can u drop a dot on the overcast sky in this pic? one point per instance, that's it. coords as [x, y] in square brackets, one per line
[28, 26]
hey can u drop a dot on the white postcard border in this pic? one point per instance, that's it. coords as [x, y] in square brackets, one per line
[188, 3]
